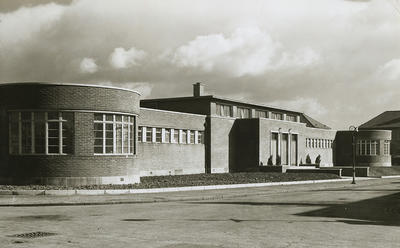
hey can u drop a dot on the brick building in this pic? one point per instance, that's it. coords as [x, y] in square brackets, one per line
[66, 134]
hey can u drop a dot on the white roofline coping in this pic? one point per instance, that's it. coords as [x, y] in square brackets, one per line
[70, 84]
[174, 112]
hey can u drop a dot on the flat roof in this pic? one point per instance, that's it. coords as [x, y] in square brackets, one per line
[69, 84]
[218, 98]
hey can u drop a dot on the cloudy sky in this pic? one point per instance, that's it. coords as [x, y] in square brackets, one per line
[336, 60]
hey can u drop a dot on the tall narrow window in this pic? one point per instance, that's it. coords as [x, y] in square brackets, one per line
[200, 137]
[223, 110]
[183, 139]
[176, 136]
[191, 137]
[149, 134]
[158, 135]
[243, 112]
[167, 135]
[140, 134]
[386, 147]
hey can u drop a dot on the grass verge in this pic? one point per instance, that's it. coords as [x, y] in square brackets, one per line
[191, 180]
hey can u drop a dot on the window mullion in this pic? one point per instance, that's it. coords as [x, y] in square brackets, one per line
[19, 133]
[122, 134]
[32, 133]
[60, 138]
[129, 134]
[114, 136]
[46, 133]
[104, 134]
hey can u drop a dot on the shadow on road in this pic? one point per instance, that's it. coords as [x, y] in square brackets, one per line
[384, 210]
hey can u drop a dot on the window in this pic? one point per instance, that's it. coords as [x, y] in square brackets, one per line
[223, 110]
[167, 135]
[191, 137]
[242, 112]
[176, 136]
[367, 147]
[386, 147]
[183, 139]
[291, 118]
[149, 134]
[200, 137]
[276, 116]
[158, 135]
[140, 134]
[40, 132]
[115, 134]
[260, 114]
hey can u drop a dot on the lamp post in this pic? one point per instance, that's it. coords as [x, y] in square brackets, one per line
[355, 130]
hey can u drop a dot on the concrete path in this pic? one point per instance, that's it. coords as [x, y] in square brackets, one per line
[317, 215]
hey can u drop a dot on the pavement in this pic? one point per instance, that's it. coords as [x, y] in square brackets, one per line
[104, 197]
[336, 214]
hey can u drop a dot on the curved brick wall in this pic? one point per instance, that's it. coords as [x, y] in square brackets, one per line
[380, 136]
[81, 166]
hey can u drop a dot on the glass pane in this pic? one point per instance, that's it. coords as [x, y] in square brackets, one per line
[109, 127]
[132, 145]
[53, 133]
[118, 136]
[149, 134]
[98, 142]
[176, 136]
[167, 137]
[118, 118]
[109, 142]
[53, 149]
[109, 149]
[26, 139]
[98, 134]
[14, 149]
[40, 136]
[126, 139]
[68, 134]
[26, 116]
[158, 134]
[109, 117]
[53, 141]
[184, 137]
[98, 126]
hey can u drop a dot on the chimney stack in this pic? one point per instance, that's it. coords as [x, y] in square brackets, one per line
[198, 89]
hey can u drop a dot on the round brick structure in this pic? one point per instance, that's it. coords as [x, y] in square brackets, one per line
[366, 155]
[67, 134]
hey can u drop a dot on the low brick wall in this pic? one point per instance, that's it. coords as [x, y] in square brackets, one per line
[330, 170]
[360, 171]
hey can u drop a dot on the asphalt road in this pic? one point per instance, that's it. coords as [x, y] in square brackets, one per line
[324, 215]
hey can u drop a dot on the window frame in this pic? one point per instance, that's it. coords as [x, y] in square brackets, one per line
[125, 120]
[62, 149]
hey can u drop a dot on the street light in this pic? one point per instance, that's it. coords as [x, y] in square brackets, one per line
[355, 130]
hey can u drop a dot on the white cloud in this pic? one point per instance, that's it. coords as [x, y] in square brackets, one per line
[390, 70]
[21, 24]
[88, 65]
[246, 51]
[122, 58]
[310, 106]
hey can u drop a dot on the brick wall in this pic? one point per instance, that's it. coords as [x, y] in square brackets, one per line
[169, 159]
[81, 100]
